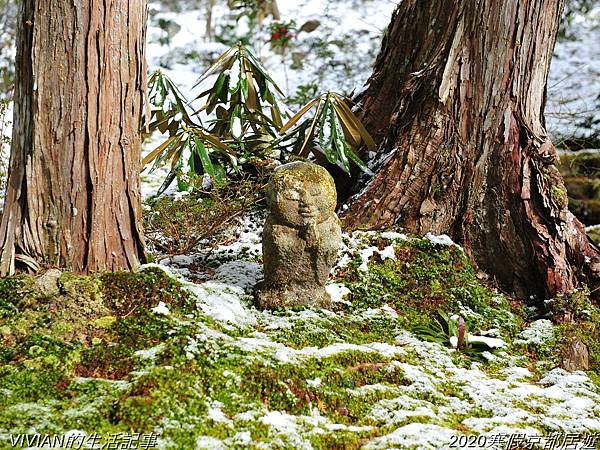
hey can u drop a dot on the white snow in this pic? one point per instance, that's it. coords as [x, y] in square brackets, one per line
[337, 292]
[222, 302]
[150, 353]
[161, 308]
[539, 332]
[489, 341]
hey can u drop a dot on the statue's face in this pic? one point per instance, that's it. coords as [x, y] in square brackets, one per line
[302, 202]
[301, 193]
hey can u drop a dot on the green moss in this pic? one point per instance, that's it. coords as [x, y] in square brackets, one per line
[426, 278]
[79, 364]
[559, 195]
[321, 330]
[48, 341]
[80, 287]
[13, 291]
[288, 387]
[125, 291]
[104, 322]
[588, 332]
[343, 439]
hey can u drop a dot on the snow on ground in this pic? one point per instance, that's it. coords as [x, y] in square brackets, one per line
[574, 80]
[439, 399]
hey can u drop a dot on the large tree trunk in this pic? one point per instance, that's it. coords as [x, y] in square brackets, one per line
[73, 195]
[457, 98]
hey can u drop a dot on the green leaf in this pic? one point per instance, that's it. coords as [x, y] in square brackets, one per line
[244, 82]
[355, 158]
[276, 115]
[351, 134]
[299, 114]
[257, 64]
[200, 150]
[223, 93]
[158, 150]
[223, 62]
[340, 143]
[220, 175]
[325, 141]
[351, 118]
[309, 136]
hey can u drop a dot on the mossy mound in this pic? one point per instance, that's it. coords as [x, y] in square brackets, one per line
[91, 327]
[580, 164]
[206, 369]
[423, 278]
[581, 172]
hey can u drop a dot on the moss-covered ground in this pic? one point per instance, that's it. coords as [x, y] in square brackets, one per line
[148, 353]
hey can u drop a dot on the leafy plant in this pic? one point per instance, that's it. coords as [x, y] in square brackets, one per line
[242, 113]
[170, 114]
[239, 128]
[245, 99]
[452, 331]
[333, 130]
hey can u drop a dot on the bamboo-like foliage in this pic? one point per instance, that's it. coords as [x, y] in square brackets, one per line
[333, 130]
[241, 123]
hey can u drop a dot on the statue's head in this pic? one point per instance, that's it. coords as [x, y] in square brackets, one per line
[300, 193]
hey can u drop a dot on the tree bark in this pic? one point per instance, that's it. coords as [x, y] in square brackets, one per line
[456, 100]
[73, 196]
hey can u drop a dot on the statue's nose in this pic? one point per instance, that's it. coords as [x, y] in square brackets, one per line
[304, 198]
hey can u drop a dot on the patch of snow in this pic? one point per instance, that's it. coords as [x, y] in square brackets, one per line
[394, 235]
[161, 308]
[388, 253]
[442, 239]
[539, 332]
[222, 302]
[489, 341]
[209, 443]
[242, 274]
[215, 413]
[365, 254]
[516, 373]
[279, 420]
[338, 292]
[150, 353]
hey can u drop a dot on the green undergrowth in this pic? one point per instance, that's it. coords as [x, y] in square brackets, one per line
[583, 325]
[177, 225]
[424, 279]
[89, 328]
[97, 356]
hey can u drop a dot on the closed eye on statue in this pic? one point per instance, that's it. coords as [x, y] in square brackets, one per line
[291, 195]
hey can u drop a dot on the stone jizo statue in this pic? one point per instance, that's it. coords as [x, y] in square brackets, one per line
[301, 237]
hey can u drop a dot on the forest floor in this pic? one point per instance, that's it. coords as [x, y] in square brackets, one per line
[179, 353]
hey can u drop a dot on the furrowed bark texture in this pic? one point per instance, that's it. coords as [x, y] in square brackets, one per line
[73, 197]
[457, 98]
